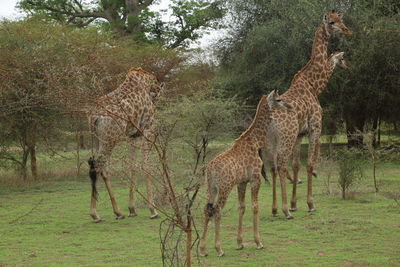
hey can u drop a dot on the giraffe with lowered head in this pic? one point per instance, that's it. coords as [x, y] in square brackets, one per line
[288, 127]
[239, 165]
[124, 114]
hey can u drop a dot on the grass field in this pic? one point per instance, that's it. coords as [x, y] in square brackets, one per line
[47, 224]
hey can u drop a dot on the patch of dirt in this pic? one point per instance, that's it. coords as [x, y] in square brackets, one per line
[363, 201]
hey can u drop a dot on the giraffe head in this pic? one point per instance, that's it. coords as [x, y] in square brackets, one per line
[338, 60]
[275, 102]
[333, 23]
[156, 88]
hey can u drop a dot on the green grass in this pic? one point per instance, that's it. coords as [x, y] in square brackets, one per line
[47, 224]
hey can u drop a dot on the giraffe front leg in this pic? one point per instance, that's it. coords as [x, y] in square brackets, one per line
[274, 202]
[146, 146]
[282, 175]
[295, 167]
[313, 152]
[255, 187]
[132, 180]
[242, 207]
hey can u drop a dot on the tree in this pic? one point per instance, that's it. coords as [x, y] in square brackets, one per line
[133, 17]
[50, 73]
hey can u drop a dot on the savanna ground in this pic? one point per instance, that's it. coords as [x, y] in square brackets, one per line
[46, 223]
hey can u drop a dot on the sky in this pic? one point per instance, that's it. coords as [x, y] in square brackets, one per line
[8, 10]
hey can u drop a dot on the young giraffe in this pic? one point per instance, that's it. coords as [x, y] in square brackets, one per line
[123, 115]
[289, 126]
[239, 165]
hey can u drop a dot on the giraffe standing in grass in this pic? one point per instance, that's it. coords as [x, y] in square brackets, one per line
[335, 59]
[239, 166]
[287, 128]
[318, 79]
[125, 114]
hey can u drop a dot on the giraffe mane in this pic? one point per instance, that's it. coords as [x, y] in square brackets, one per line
[297, 75]
[258, 112]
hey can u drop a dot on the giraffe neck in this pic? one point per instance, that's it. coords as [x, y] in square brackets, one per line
[257, 131]
[315, 71]
[325, 76]
[320, 43]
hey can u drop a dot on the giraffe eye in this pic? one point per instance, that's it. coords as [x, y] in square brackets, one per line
[332, 22]
[278, 100]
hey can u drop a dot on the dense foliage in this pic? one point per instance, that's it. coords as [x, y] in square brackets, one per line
[271, 40]
[50, 73]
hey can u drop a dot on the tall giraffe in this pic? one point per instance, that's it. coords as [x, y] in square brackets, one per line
[335, 59]
[318, 77]
[239, 166]
[124, 114]
[289, 126]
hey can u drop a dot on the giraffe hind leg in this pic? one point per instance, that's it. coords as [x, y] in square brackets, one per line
[93, 178]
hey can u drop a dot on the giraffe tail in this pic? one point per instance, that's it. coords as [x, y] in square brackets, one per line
[93, 176]
[210, 209]
[263, 172]
[212, 191]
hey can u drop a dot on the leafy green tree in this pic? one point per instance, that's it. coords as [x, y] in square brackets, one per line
[133, 17]
[272, 41]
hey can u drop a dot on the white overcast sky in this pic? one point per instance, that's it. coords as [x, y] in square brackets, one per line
[8, 10]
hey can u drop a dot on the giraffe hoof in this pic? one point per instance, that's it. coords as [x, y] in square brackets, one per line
[154, 216]
[299, 182]
[120, 217]
[260, 246]
[132, 215]
[239, 247]
[221, 254]
[293, 209]
[311, 210]
[203, 254]
[289, 217]
[95, 218]
[274, 212]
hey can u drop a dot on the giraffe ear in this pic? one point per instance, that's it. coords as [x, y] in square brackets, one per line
[274, 101]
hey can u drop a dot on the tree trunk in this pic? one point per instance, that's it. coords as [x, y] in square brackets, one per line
[379, 132]
[343, 193]
[23, 169]
[330, 146]
[32, 152]
[355, 122]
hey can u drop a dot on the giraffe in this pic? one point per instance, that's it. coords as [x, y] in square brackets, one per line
[239, 166]
[124, 114]
[318, 77]
[287, 127]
